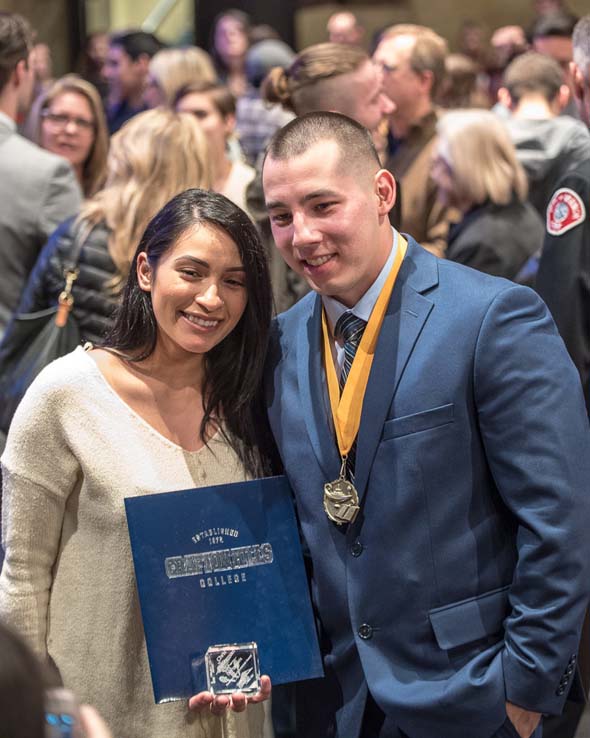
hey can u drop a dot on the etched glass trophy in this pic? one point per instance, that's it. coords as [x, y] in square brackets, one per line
[233, 668]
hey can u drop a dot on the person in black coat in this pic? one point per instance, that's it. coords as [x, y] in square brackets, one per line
[563, 280]
[477, 172]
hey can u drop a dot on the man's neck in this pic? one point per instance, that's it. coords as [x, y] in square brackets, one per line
[9, 106]
[132, 100]
[533, 108]
[402, 122]
[135, 100]
[221, 168]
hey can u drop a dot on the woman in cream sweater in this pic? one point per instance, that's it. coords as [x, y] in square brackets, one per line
[170, 402]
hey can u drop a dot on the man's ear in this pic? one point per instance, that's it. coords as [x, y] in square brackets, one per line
[386, 191]
[505, 98]
[427, 80]
[20, 72]
[229, 124]
[143, 63]
[578, 81]
[144, 272]
[563, 97]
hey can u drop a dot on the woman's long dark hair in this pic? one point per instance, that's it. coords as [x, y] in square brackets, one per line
[233, 369]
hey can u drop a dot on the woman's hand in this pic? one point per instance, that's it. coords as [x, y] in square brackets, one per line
[92, 723]
[237, 701]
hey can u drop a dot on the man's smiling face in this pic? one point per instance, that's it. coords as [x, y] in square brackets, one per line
[327, 219]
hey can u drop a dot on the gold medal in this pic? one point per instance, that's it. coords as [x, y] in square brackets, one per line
[341, 500]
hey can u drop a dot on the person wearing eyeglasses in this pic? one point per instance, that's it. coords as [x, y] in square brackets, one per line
[413, 62]
[69, 121]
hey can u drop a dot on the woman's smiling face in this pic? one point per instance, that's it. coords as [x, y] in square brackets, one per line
[198, 290]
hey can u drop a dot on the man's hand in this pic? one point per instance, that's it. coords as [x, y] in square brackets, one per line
[218, 704]
[525, 721]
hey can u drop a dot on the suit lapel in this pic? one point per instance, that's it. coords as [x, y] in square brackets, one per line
[313, 394]
[402, 325]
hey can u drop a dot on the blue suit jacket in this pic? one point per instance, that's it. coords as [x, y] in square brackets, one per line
[469, 563]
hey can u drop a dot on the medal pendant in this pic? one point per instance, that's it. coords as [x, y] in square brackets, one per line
[341, 500]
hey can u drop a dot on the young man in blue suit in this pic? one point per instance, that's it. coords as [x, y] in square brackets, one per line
[439, 451]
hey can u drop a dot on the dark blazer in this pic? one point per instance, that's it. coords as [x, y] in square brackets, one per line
[496, 239]
[563, 280]
[464, 579]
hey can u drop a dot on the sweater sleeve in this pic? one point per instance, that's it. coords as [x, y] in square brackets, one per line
[39, 472]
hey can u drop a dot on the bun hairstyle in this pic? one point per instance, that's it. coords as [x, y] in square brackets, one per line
[301, 87]
[276, 88]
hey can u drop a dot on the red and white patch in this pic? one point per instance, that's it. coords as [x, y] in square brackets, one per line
[565, 211]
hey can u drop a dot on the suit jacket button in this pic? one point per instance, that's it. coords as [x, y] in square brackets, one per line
[560, 691]
[356, 549]
[570, 670]
[365, 632]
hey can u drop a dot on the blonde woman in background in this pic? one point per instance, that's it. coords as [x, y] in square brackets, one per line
[147, 165]
[172, 69]
[476, 171]
[69, 121]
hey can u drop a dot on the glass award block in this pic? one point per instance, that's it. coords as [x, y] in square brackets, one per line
[233, 667]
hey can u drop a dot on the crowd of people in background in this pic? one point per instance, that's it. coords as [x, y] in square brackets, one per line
[479, 141]
[250, 83]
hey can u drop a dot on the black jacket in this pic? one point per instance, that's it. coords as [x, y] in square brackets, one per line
[94, 302]
[563, 280]
[496, 239]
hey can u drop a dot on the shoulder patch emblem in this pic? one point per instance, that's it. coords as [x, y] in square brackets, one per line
[565, 211]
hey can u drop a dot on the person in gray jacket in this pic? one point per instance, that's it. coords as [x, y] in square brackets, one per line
[38, 190]
[548, 144]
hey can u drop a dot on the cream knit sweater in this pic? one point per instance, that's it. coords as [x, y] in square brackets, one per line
[74, 451]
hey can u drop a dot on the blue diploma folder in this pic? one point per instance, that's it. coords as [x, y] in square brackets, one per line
[219, 565]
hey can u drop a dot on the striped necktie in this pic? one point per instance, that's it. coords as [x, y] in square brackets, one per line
[350, 329]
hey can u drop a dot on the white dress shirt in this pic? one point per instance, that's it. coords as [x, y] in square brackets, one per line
[362, 309]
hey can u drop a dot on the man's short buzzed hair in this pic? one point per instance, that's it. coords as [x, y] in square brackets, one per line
[16, 42]
[581, 41]
[533, 73]
[301, 133]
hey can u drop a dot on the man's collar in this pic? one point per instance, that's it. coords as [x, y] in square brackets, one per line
[426, 124]
[7, 121]
[422, 128]
[365, 305]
